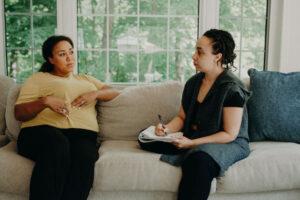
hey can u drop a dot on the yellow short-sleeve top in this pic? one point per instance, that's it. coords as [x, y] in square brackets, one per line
[68, 88]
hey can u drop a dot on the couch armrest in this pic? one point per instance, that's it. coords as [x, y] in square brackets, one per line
[3, 140]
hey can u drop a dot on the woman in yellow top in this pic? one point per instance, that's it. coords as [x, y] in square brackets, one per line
[59, 126]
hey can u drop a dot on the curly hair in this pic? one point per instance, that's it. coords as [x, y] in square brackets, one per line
[47, 49]
[222, 43]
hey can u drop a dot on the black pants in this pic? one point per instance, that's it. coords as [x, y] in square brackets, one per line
[64, 161]
[198, 171]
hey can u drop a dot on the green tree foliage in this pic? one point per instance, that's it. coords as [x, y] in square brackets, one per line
[131, 40]
[27, 26]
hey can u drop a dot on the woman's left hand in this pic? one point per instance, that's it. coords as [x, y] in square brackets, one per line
[84, 99]
[183, 143]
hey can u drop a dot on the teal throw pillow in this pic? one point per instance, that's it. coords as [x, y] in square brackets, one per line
[274, 107]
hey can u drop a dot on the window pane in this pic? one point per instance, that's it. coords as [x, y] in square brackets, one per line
[230, 8]
[123, 33]
[253, 34]
[154, 7]
[234, 27]
[255, 8]
[91, 32]
[186, 7]
[43, 27]
[183, 32]
[122, 6]
[248, 28]
[153, 66]
[42, 6]
[153, 33]
[237, 62]
[38, 60]
[19, 64]
[92, 63]
[18, 31]
[122, 67]
[16, 6]
[91, 6]
[253, 59]
[181, 65]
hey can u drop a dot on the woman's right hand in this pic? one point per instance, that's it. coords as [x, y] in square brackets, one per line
[57, 105]
[160, 130]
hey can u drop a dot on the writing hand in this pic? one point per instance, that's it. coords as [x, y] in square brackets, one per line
[161, 130]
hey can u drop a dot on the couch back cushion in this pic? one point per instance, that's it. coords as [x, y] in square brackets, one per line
[5, 84]
[13, 125]
[136, 108]
[274, 107]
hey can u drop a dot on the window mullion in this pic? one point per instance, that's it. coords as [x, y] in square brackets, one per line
[168, 41]
[107, 77]
[3, 70]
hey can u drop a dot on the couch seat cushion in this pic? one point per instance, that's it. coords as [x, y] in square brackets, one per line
[124, 166]
[15, 171]
[270, 166]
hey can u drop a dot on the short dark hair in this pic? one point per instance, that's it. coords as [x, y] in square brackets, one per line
[223, 43]
[47, 49]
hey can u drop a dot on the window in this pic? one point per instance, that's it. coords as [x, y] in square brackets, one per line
[28, 23]
[131, 41]
[246, 20]
[136, 41]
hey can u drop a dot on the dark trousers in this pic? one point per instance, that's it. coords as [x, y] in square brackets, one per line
[198, 171]
[64, 161]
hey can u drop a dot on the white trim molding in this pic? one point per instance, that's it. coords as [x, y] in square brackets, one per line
[2, 40]
[208, 15]
[274, 31]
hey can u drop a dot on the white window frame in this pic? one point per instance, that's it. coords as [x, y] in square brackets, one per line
[67, 25]
[2, 41]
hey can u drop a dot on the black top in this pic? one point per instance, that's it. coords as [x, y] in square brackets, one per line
[207, 116]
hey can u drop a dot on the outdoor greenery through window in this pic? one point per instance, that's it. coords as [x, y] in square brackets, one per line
[28, 24]
[246, 21]
[132, 41]
[137, 41]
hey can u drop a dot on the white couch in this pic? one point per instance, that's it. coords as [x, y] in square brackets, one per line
[125, 172]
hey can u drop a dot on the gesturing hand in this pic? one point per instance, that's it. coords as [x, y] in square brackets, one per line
[84, 99]
[57, 105]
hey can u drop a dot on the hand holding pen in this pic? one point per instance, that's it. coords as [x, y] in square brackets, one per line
[160, 129]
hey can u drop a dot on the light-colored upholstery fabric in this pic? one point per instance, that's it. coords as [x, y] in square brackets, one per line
[136, 108]
[5, 84]
[15, 171]
[3, 140]
[124, 166]
[13, 126]
[144, 195]
[138, 195]
[270, 166]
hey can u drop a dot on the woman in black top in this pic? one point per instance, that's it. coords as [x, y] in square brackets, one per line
[212, 117]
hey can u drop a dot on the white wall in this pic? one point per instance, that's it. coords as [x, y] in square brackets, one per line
[284, 43]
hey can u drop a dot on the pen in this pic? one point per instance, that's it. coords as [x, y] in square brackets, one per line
[162, 124]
